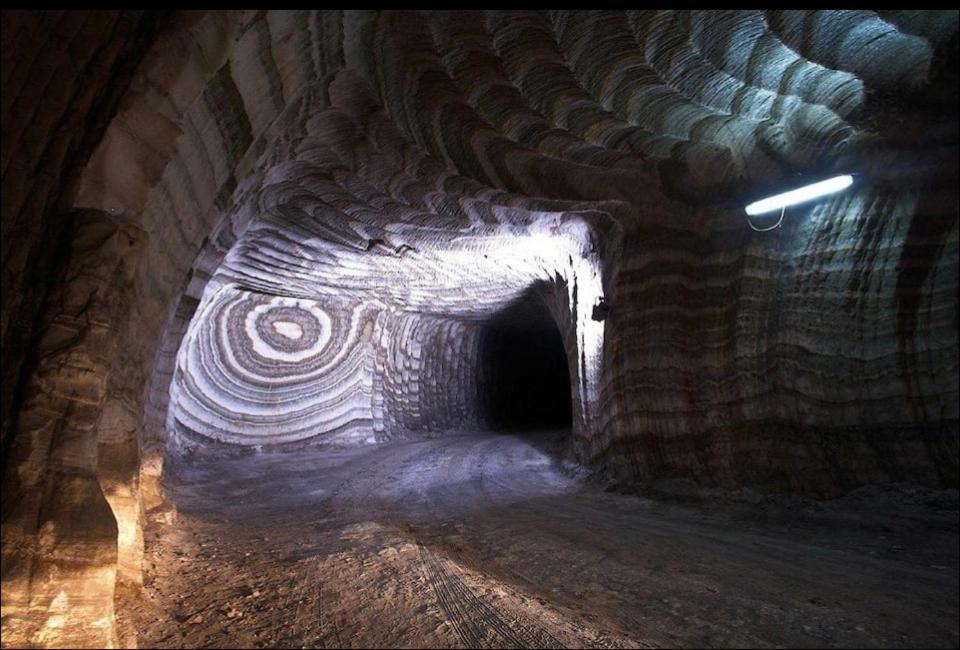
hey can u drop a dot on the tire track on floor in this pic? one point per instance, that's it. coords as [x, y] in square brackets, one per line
[472, 618]
[295, 624]
[495, 489]
[466, 630]
[328, 622]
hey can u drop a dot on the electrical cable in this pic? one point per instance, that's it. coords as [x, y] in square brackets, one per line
[783, 210]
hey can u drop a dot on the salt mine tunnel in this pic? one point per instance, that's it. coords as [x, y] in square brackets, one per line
[451, 329]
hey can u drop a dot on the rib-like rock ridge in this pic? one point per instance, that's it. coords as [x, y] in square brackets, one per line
[343, 217]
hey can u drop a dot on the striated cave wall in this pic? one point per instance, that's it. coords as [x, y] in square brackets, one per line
[64, 73]
[334, 210]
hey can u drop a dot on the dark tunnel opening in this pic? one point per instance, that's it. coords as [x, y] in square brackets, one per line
[526, 379]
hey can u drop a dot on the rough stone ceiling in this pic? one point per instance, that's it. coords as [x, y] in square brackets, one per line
[287, 227]
[372, 169]
[333, 183]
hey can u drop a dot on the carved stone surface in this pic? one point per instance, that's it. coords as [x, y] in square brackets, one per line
[788, 359]
[64, 73]
[340, 204]
[60, 538]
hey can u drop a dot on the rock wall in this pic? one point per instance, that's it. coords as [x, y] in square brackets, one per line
[60, 537]
[429, 375]
[730, 357]
[64, 73]
[258, 370]
[409, 176]
[381, 306]
[781, 359]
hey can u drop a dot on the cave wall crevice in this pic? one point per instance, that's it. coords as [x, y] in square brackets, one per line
[60, 535]
[64, 76]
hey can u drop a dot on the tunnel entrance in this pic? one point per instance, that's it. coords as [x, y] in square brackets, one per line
[526, 380]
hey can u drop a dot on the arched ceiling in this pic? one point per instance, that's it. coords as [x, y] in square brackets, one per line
[437, 165]
[331, 204]
[713, 100]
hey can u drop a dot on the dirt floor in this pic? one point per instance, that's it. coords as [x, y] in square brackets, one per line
[487, 540]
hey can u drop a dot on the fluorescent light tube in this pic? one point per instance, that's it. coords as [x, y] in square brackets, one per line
[800, 195]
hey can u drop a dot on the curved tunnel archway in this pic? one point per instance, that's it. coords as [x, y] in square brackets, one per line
[526, 370]
[349, 161]
[274, 372]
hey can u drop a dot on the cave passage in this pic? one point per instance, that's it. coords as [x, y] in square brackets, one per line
[455, 329]
[526, 380]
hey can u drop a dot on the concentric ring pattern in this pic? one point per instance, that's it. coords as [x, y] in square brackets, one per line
[272, 370]
[381, 184]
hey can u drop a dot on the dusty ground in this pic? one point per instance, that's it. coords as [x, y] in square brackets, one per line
[488, 541]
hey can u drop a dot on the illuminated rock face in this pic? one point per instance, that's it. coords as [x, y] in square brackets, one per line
[75, 461]
[394, 331]
[456, 162]
[241, 382]
[341, 208]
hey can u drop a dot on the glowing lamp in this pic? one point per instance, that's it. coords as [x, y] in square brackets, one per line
[800, 195]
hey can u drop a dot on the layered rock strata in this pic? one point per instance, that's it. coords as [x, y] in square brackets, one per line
[70, 511]
[338, 206]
